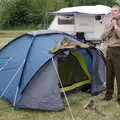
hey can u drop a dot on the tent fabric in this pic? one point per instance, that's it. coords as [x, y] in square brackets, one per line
[91, 10]
[71, 77]
[68, 44]
[27, 76]
[7, 74]
[44, 32]
[99, 72]
[87, 58]
[41, 94]
[79, 75]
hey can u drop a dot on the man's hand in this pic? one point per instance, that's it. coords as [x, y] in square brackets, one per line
[114, 23]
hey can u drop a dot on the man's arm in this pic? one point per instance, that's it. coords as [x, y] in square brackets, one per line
[117, 29]
[107, 31]
[105, 34]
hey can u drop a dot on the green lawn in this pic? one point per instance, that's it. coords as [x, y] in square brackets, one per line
[106, 110]
[6, 36]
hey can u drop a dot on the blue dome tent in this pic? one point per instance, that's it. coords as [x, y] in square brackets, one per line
[29, 73]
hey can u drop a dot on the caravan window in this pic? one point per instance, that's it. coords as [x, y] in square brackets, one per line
[66, 19]
[98, 17]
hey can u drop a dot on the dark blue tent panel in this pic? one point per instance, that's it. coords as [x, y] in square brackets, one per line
[42, 91]
[98, 73]
[28, 78]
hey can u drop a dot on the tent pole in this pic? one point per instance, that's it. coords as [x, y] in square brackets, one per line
[15, 96]
[54, 65]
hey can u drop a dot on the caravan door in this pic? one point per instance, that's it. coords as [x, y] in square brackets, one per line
[85, 23]
[91, 25]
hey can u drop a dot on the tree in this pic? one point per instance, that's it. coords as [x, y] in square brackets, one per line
[14, 12]
[25, 12]
[95, 2]
[69, 2]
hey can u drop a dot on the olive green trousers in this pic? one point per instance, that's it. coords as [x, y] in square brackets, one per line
[113, 69]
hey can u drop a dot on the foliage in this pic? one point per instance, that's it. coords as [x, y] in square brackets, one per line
[26, 12]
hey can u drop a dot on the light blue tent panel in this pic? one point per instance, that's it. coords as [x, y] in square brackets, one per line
[39, 54]
[17, 51]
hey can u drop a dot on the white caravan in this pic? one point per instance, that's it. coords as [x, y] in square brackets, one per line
[86, 22]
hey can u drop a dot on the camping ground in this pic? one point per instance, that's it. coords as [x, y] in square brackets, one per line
[106, 110]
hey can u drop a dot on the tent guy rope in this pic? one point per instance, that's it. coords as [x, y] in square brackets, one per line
[63, 89]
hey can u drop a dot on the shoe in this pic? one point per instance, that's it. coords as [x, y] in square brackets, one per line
[107, 97]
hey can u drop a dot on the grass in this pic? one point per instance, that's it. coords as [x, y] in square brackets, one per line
[8, 35]
[106, 110]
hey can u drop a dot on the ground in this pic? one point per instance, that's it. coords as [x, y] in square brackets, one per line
[106, 110]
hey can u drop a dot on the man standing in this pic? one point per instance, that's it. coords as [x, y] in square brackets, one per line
[112, 35]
